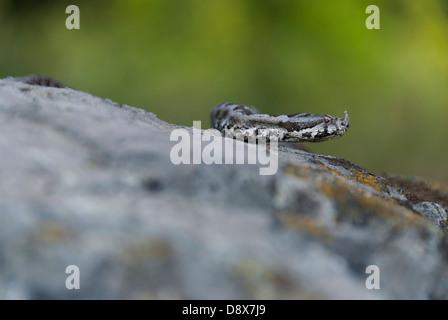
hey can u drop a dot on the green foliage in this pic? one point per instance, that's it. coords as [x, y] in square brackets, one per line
[180, 58]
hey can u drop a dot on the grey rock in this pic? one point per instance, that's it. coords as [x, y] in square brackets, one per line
[85, 181]
[434, 212]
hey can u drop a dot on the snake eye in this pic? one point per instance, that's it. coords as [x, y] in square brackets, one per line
[327, 118]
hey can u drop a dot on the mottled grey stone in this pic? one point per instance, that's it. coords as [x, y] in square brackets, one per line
[85, 181]
[434, 212]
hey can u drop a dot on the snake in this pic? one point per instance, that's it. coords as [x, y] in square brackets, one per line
[237, 120]
[233, 119]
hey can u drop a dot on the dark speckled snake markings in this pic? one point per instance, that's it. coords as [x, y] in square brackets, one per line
[297, 127]
[238, 120]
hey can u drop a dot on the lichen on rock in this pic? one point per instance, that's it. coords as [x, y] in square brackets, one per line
[86, 181]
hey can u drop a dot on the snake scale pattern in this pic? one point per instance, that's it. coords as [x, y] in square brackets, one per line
[234, 119]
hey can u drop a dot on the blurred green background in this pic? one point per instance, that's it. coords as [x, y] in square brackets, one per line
[179, 58]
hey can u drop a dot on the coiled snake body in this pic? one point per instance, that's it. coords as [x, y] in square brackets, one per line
[238, 120]
[230, 118]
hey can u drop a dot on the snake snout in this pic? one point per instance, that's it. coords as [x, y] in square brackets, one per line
[346, 121]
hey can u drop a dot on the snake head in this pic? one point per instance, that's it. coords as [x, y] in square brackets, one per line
[320, 128]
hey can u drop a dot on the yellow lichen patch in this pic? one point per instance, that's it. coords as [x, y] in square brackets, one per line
[154, 249]
[340, 189]
[358, 205]
[260, 281]
[332, 190]
[444, 226]
[344, 194]
[53, 233]
[297, 221]
[369, 180]
[364, 178]
[335, 188]
[352, 202]
[361, 207]
[296, 170]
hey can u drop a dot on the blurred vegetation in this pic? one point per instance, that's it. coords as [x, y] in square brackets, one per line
[179, 58]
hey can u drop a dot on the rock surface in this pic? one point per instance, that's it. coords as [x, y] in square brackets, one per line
[85, 181]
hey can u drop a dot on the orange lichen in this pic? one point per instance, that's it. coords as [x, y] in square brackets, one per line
[261, 281]
[296, 170]
[370, 180]
[365, 178]
[53, 233]
[310, 225]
